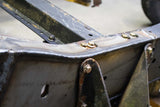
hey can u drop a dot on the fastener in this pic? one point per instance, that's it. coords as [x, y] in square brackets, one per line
[84, 44]
[133, 35]
[90, 44]
[87, 68]
[51, 37]
[125, 36]
[150, 50]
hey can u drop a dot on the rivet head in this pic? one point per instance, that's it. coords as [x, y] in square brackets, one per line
[133, 35]
[91, 43]
[125, 36]
[84, 44]
[150, 50]
[51, 37]
[87, 68]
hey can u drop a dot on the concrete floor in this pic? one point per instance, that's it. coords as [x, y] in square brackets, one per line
[9, 26]
[113, 16]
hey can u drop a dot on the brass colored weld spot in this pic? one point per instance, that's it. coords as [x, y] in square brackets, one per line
[125, 36]
[133, 35]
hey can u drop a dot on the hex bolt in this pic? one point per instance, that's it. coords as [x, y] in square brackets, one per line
[150, 50]
[51, 37]
[125, 36]
[133, 35]
[90, 44]
[87, 68]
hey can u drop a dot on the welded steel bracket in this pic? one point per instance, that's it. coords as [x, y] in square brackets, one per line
[92, 89]
[137, 91]
[93, 92]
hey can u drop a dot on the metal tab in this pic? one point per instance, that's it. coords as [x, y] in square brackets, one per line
[137, 91]
[92, 89]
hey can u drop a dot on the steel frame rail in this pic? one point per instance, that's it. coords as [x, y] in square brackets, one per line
[26, 66]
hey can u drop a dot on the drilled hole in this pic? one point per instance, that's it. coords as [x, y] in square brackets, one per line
[45, 91]
[153, 49]
[154, 60]
[65, 95]
[105, 77]
[90, 34]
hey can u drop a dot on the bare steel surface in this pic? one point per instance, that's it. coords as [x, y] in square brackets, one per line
[9, 26]
[30, 76]
[112, 16]
[37, 61]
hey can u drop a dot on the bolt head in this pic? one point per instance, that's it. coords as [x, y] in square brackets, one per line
[84, 44]
[87, 68]
[133, 35]
[150, 50]
[51, 37]
[125, 36]
[91, 43]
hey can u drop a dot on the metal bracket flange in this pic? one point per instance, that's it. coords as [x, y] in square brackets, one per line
[92, 89]
[137, 91]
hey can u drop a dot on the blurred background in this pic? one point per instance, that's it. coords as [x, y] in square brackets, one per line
[112, 16]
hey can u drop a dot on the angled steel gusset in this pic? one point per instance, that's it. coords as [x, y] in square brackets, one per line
[137, 91]
[56, 73]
